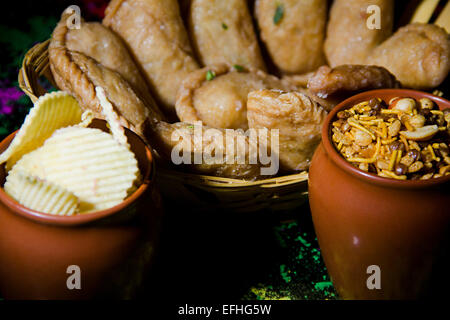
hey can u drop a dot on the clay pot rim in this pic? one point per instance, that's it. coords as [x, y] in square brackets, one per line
[79, 219]
[370, 177]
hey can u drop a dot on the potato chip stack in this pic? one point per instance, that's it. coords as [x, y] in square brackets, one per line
[58, 165]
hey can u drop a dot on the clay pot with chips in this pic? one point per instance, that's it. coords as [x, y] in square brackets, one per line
[104, 253]
[380, 238]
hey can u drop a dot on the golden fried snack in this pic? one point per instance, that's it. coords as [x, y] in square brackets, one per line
[100, 43]
[162, 139]
[417, 54]
[350, 78]
[349, 40]
[217, 95]
[329, 86]
[293, 32]
[222, 32]
[298, 118]
[78, 74]
[154, 31]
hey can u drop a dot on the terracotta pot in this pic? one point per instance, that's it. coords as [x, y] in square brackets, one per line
[362, 219]
[113, 248]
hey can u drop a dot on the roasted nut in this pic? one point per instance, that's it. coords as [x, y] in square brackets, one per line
[394, 128]
[362, 138]
[417, 121]
[400, 169]
[416, 166]
[426, 103]
[404, 104]
[397, 145]
[375, 104]
[421, 134]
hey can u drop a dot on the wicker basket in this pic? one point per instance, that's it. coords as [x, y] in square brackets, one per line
[197, 191]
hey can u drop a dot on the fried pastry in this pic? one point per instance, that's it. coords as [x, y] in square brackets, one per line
[79, 75]
[293, 32]
[329, 86]
[162, 139]
[349, 40]
[222, 32]
[217, 95]
[156, 36]
[100, 43]
[417, 54]
[298, 118]
[350, 78]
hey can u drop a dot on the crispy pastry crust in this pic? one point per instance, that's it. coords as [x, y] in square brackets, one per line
[298, 119]
[221, 102]
[79, 74]
[349, 40]
[154, 32]
[350, 78]
[103, 45]
[295, 42]
[417, 54]
[222, 32]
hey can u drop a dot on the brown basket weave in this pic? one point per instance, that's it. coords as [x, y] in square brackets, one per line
[197, 191]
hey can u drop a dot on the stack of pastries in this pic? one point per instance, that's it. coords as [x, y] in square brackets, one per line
[166, 64]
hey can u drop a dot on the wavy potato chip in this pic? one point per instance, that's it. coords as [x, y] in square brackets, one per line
[88, 162]
[40, 195]
[112, 118]
[50, 112]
